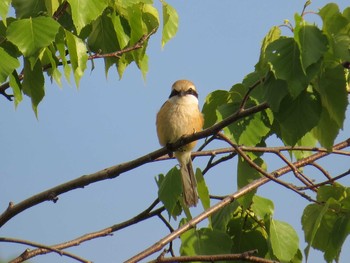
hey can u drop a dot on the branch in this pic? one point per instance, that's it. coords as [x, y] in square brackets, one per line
[245, 256]
[48, 248]
[147, 213]
[116, 170]
[227, 200]
[266, 174]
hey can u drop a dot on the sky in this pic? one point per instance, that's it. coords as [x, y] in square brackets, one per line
[108, 121]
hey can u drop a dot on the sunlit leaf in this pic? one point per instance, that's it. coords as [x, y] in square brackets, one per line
[170, 22]
[212, 102]
[7, 64]
[327, 226]
[86, 11]
[16, 86]
[205, 241]
[170, 191]
[272, 35]
[32, 34]
[262, 207]
[77, 54]
[33, 83]
[202, 188]
[283, 56]
[283, 239]
[4, 8]
[312, 43]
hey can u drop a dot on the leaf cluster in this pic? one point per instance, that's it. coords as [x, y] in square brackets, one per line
[48, 34]
[304, 78]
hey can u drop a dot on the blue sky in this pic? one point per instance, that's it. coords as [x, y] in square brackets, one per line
[109, 121]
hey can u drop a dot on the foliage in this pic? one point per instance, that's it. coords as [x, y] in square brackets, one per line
[48, 34]
[299, 74]
[302, 77]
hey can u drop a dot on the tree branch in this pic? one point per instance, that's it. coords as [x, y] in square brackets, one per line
[48, 248]
[116, 170]
[227, 200]
[245, 256]
[146, 214]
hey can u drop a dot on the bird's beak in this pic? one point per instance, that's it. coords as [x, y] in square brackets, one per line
[182, 93]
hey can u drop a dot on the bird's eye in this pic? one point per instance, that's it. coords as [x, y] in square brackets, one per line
[192, 92]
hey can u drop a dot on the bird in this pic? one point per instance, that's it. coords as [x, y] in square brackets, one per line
[180, 116]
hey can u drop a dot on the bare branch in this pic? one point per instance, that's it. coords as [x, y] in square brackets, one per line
[146, 214]
[38, 245]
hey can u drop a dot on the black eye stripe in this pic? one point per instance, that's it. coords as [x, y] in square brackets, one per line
[189, 91]
[174, 93]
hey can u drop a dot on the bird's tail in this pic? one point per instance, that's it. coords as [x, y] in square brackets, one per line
[189, 184]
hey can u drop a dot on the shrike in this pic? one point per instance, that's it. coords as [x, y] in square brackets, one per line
[180, 116]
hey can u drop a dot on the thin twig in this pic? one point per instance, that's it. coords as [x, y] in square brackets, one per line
[329, 181]
[264, 173]
[41, 246]
[147, 213]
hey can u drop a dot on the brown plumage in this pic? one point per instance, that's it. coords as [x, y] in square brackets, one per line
[180, 116]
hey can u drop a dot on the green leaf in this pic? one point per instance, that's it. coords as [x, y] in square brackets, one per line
[170, 191]
[292, 126]
[103, 38]
[212, 103]
[61, 47]
[283, 56]
[247, 234]
[170, 22]
[336, 28]
[33, 83]
[283, 239]
[28, 8]
[121, 29]
[221, 218]
[7, 64]
[308, 140]
[32, 34]
[86, 11]
[326, 130]
[150, 17]
[245, 175]
[272, 35]
[327, 226]
[275, 90]
[202, 188]
[48, 57]
[205, 241]
[332, 89]
[4, 9]
[312, 43]
[262, 207]
[52, 6]
[16, 86]
[77, 54]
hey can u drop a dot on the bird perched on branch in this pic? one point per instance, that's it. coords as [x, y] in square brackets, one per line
[180, 116]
